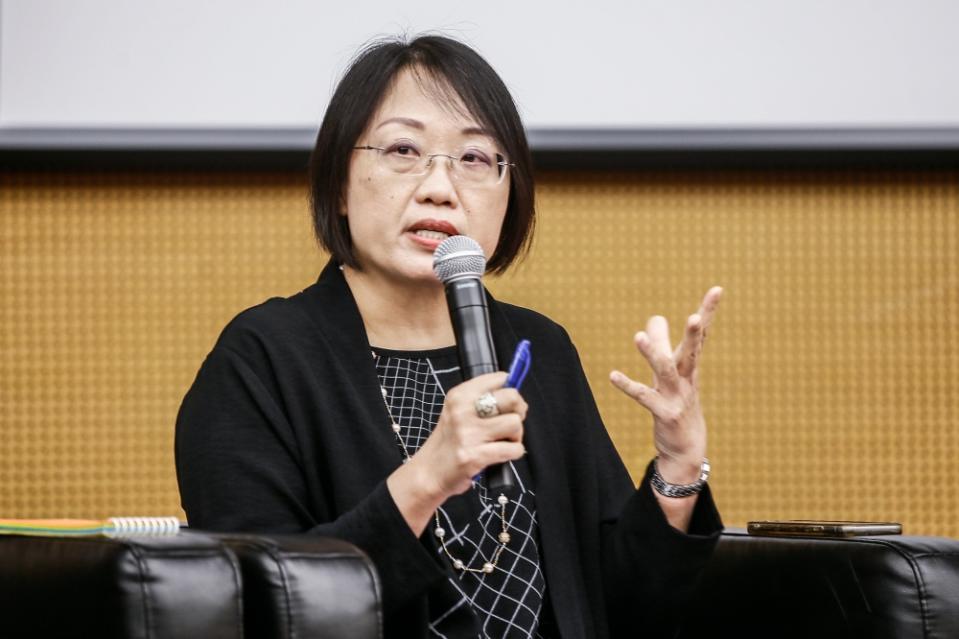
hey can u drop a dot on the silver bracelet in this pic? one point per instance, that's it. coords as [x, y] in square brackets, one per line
[666, 489]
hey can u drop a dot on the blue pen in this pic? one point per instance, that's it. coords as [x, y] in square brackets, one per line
[520, 365]
[518, 369]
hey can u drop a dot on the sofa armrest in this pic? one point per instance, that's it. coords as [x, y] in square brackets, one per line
[870, 587]
[186, 585]
[306, 586]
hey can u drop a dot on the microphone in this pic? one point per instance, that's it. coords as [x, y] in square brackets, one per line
[459, 263]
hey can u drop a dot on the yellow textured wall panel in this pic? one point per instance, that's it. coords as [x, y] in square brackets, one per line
[828, 379]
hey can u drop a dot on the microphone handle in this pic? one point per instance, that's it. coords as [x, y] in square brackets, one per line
[474, 341]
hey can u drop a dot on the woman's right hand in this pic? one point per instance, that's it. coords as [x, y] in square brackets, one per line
[461, 445]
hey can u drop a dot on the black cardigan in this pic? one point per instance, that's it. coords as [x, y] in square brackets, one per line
[284, 430]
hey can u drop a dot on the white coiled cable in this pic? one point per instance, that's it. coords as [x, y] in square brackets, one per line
[135, 526]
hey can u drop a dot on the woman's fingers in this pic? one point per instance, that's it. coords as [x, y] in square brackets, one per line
[687, 354]
[503, 427]
[496, 440]
[480, 384]
[506, 423]
[646, 396]
[490, 441]
[654, 346]
[508, 400]
[708, 307]
[499, 452]
[689, 349]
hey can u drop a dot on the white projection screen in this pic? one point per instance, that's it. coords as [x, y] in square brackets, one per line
[629, 74]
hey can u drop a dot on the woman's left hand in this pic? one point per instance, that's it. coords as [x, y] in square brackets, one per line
[679, 429]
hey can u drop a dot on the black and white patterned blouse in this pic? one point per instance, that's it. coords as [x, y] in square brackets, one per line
[507, 602]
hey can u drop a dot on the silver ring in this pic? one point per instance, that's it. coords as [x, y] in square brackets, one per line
[486, 405]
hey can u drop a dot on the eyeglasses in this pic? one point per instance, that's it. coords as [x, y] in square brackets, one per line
[469, 166]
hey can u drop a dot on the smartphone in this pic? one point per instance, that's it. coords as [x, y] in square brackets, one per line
[815, 528]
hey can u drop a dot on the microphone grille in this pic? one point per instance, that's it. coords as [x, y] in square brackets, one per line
[458, 256]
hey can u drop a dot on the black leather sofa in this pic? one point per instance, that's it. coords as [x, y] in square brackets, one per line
[882, 587]
[181, 586]
[259, 586]
[303, 586]
[190, 585]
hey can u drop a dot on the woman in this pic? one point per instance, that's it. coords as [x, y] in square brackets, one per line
[340, 411]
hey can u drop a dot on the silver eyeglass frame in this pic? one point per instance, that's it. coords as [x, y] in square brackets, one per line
[429, 163]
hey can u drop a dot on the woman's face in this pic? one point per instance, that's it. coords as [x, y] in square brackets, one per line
[397, 220]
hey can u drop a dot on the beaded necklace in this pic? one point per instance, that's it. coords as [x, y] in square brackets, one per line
[503, 538]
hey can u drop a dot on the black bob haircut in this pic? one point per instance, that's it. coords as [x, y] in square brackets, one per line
[453, 69]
